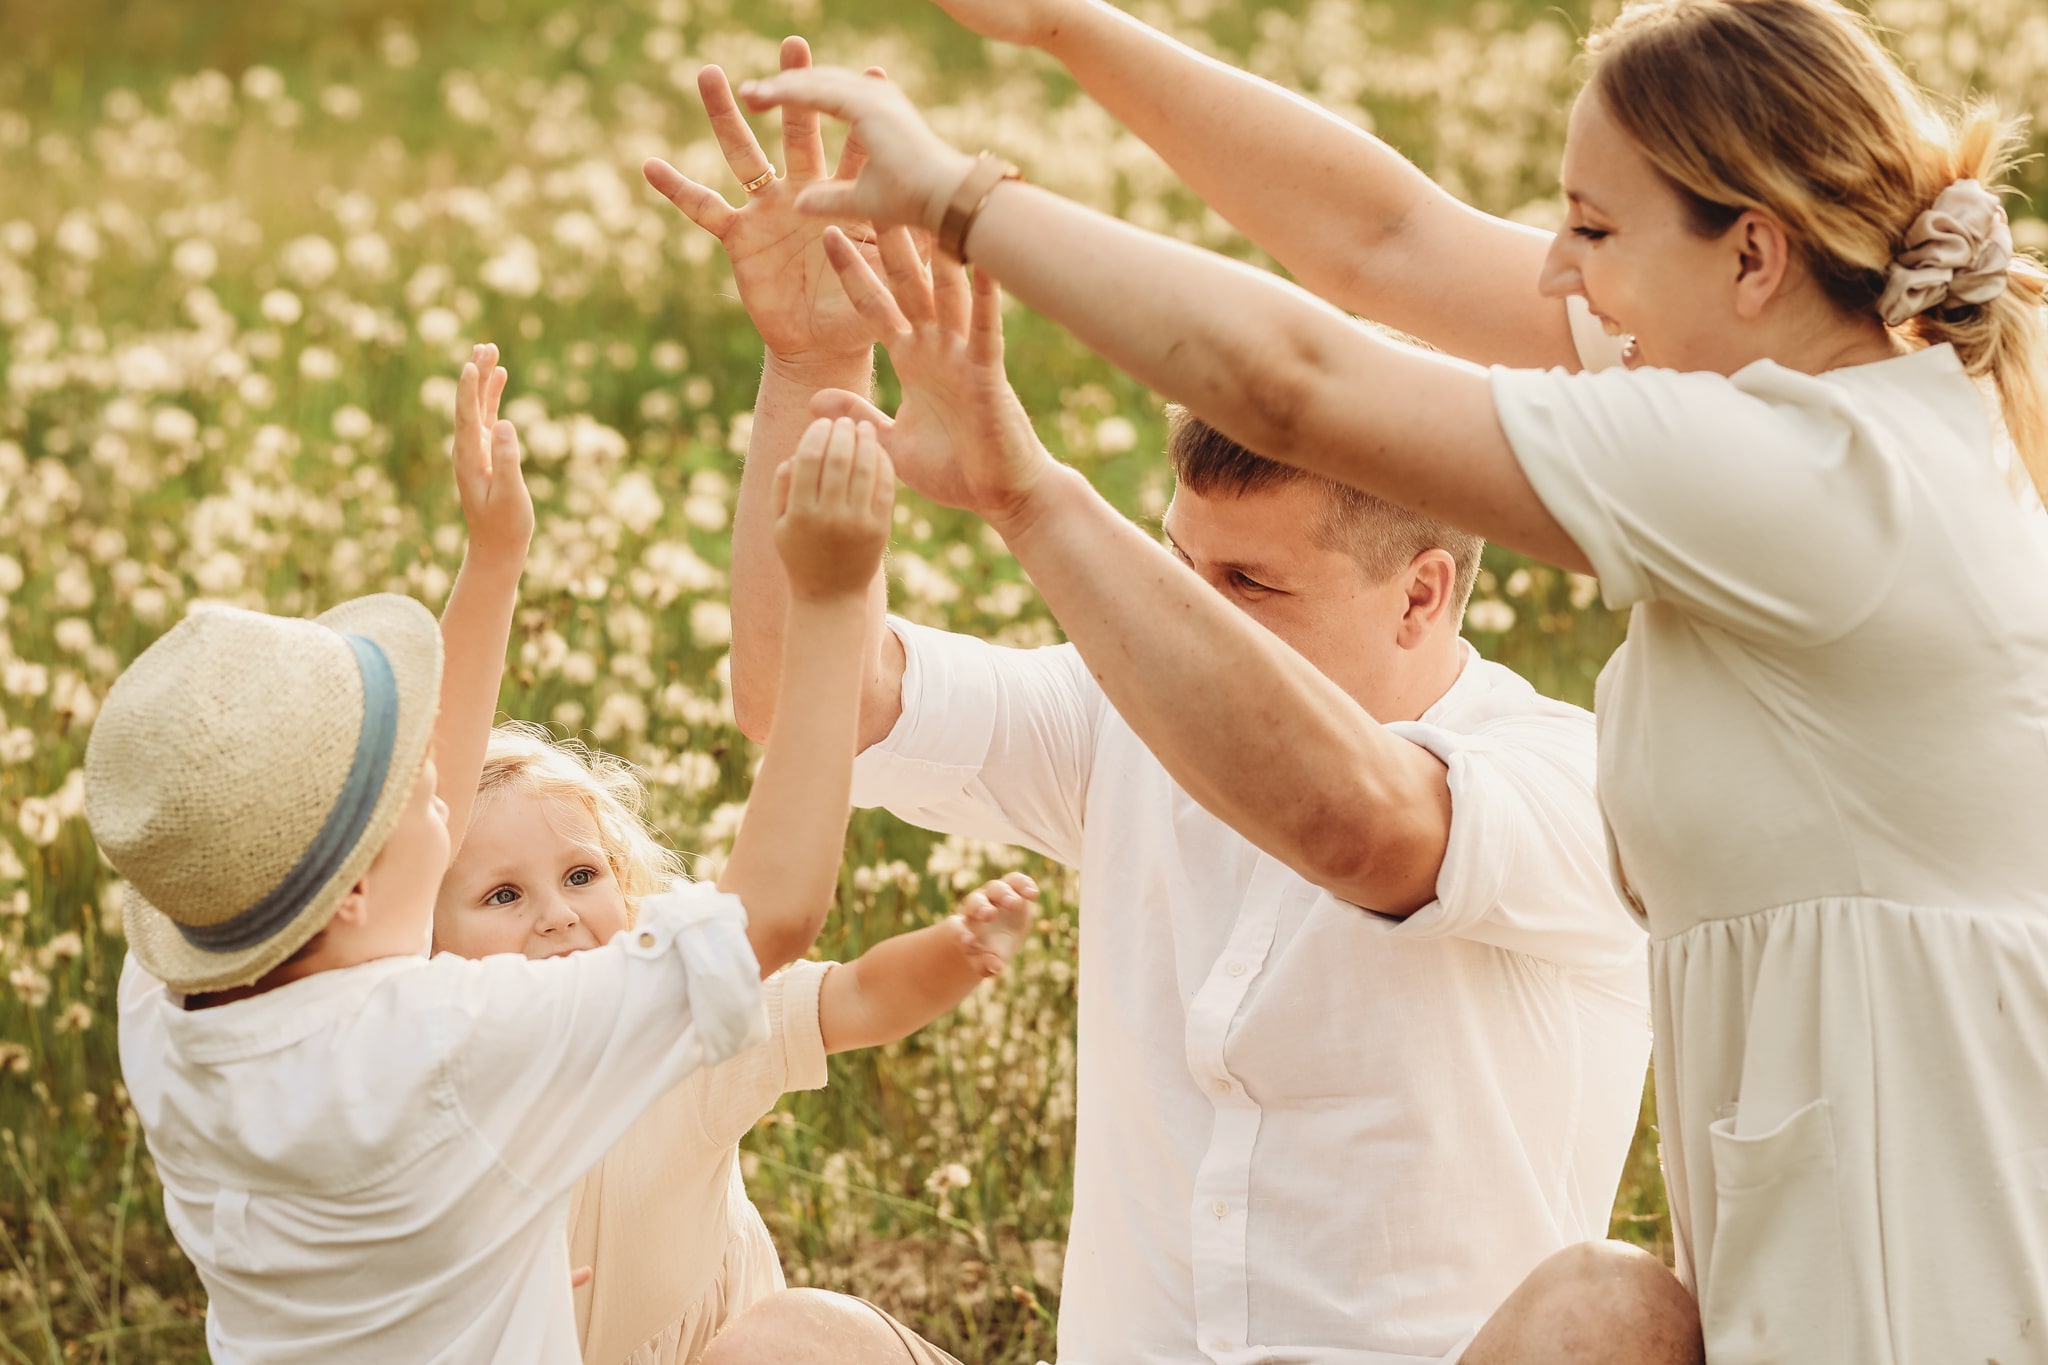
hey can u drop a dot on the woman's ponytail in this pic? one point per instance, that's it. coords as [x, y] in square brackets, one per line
[2004, 338]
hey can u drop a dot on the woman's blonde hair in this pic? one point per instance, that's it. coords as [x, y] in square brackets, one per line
[1794, 108]
[527, 758]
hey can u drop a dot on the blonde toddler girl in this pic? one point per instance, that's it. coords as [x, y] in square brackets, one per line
[556, 859]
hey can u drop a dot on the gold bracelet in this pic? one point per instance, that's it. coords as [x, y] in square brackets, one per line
[968, 200]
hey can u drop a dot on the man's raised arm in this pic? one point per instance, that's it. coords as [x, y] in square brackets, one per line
[1247, 727]
[813, 342]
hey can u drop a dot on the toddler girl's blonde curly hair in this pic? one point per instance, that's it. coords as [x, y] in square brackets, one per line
[527, 758]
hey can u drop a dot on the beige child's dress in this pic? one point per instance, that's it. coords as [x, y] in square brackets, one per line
[664, 1220]
[1824, 767]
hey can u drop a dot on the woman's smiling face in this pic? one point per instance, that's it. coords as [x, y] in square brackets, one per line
[1629, 246]
[531, 877]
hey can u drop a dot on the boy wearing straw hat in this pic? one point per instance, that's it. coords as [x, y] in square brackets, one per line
[366, 1152]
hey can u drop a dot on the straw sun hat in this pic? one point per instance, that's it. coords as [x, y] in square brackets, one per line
[247, 768]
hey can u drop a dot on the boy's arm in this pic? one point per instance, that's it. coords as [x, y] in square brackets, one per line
[901, 984]
[552, 1060]
[476, 625]
[813, 341]
[835, 496]
[1348, 215]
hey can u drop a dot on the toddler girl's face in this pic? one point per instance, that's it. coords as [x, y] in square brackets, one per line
[531, 877]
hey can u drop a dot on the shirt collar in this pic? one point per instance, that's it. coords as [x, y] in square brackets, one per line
[277, 1018]
[1470, 680]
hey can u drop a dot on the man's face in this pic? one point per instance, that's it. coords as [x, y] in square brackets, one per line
[1256, 549]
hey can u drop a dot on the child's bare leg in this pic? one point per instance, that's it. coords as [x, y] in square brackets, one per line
[813, 1327]
[1597, 1303]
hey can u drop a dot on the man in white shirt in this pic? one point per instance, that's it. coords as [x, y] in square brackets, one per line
[1362, 1024]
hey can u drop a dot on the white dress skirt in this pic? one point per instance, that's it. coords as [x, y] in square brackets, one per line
[1824, 768]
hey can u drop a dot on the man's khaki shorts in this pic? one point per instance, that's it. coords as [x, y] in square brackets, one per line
[916, 1349]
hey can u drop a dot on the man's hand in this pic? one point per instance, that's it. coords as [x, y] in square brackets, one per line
[1028, 23]
[995, 921]
[495, 504]
[961, 437]
[777, 254]
[834, 497]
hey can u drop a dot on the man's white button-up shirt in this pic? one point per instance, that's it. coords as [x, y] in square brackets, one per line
[1306, 1133]
[374, 1164]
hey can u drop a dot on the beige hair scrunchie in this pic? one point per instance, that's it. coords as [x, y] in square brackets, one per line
[1957, 252]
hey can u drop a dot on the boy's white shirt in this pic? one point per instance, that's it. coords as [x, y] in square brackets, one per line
[374, 1164]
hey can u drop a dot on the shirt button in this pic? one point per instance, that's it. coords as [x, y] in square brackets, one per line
[646, 939]
[1237, 969]
[1222, 1086]
[1220, 1209]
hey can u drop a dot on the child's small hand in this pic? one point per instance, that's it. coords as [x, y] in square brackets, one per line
[495, 504]
[995, 920]
[834, 497]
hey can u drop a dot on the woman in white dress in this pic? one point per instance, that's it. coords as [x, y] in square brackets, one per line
[1825, 746]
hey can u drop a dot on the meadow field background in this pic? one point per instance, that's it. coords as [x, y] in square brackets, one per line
[244, 247]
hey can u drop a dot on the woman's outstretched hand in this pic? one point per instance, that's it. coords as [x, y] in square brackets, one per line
[961, 437]
[777, 253]
[910, 172]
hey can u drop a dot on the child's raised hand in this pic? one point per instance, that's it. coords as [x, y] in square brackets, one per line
[833, 499]
[495, 504]
[995, 920]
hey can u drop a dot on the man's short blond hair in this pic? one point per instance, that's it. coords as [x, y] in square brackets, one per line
[1383, 538]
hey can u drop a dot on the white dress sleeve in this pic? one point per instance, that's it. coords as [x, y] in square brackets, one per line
[993, 743]
[1764, 502]
[554, 1060]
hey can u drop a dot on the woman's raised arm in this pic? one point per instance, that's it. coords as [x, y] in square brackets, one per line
[1348, 215]
[1266, 363]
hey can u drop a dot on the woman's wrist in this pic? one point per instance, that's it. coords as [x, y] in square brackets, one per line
[952, 169]
[969, 197]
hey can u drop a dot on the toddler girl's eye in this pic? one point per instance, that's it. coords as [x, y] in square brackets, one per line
[504, 895]
[1589, 234]
[583, 876]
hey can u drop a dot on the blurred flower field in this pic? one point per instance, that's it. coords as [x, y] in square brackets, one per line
[243, 250]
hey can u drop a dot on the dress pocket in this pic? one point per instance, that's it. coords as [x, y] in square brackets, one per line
[1777, 1287]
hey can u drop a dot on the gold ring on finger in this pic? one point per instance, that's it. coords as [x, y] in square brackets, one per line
[761, 181]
